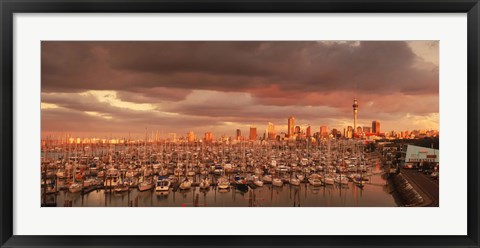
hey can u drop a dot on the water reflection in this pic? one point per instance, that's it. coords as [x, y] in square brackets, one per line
[374, 194]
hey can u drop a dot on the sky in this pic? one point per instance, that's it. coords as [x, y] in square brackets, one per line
[116, 88]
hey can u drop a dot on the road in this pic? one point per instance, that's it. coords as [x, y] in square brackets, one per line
[424, 183]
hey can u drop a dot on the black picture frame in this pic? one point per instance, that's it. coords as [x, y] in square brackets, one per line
[10, 7]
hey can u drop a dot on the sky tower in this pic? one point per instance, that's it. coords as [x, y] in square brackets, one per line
[355, 110]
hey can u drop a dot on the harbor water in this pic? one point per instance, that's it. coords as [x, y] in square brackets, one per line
[374, 194]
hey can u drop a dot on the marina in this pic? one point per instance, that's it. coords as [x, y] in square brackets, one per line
[239, 174]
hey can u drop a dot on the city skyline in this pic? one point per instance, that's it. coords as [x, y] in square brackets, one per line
[120, 88]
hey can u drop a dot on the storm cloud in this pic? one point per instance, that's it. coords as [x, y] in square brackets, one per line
[177, 86]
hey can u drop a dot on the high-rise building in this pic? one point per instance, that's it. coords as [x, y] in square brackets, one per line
[297, 130]
[355, 110]
[271, 131]
[376, 127]
[324, 131]
[208, 137]
[191, 136]
[359, 130]
[367, 129]
[335, 132]
[349, 133]
[291, 124]
[239, 134]
[253, 133]
[309, 131]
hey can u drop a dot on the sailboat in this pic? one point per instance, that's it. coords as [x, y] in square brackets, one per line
[205, 183]
[186, 184]
[145, 185]
[257, 181]
[223, 183]
[75, 186]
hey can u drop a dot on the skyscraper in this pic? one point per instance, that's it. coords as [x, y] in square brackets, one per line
[359, 130]
[239, 134]
[309, 131]
[208, 137]
[253, 133]
[355, 110]
[291, 124]
[376, 127]
[271, 131]
[297, 130]
[191, 136]
[324, 131]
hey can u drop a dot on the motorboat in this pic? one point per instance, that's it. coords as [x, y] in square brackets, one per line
[241, 183]
[163, 184]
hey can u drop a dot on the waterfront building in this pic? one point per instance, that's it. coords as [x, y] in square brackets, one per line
[420, 156]
[376, 127]
[253, 133]
[291, 124]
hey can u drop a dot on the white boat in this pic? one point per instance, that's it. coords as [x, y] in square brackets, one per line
[257, 181]
[89, 182]
[205, 183]
[328, 180]
[145, 185]
[186, 184]
[162, 185]
[223, 183]
[75, 187]
[315, 182]
[267, 178]
[341, 179]
[295, 181]
[121, 187]
[60, 173]
[300, 177]
[277, 182]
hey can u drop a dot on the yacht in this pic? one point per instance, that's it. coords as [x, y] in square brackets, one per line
[163, 184]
